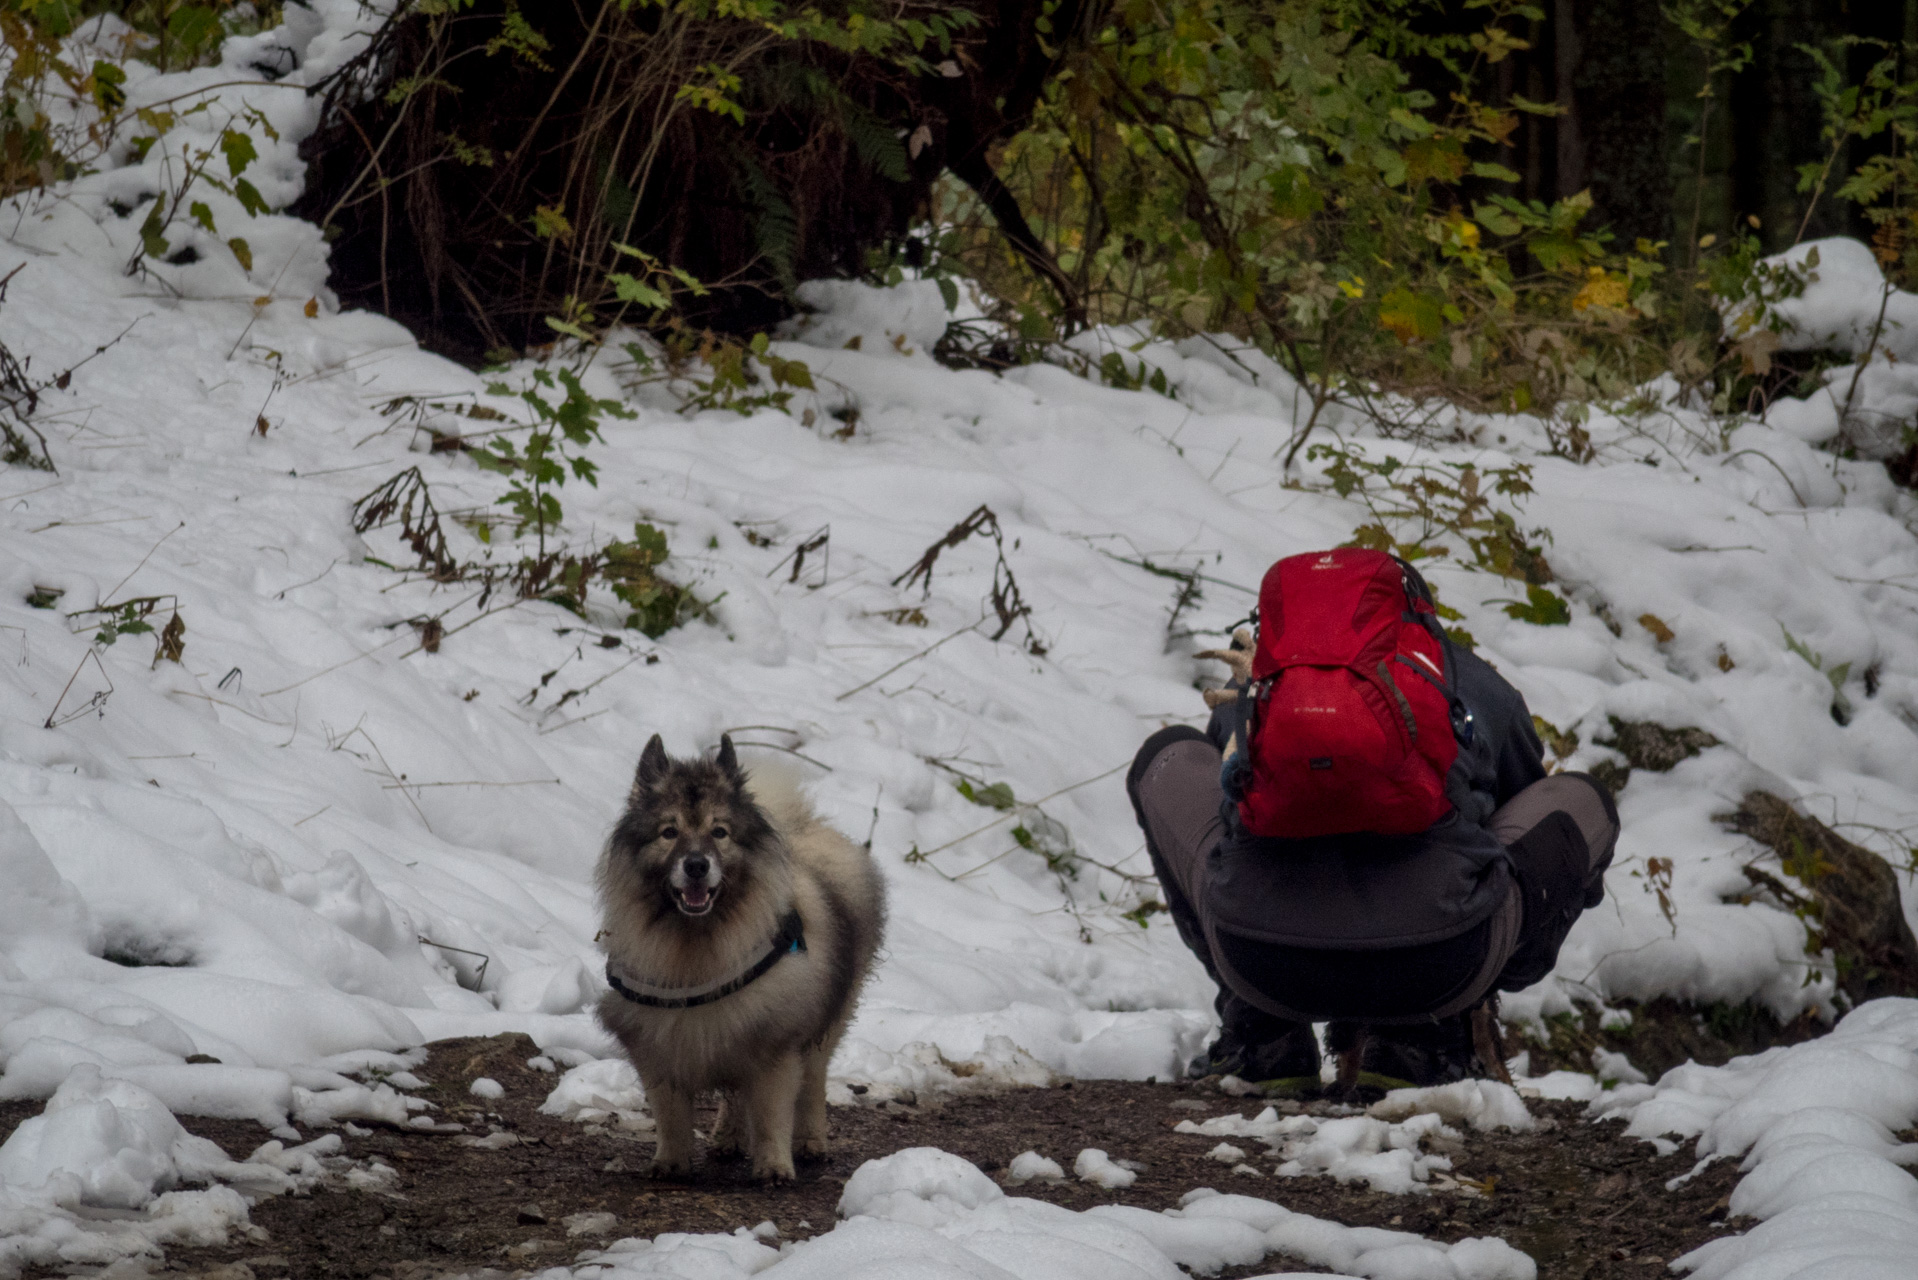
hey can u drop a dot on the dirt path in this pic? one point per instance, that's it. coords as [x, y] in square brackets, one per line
[1582, 1201]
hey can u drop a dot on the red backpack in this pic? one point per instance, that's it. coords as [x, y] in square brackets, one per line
[1349, 722]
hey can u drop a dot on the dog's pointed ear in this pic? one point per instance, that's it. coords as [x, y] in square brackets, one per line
[652, 763]
[728, 760]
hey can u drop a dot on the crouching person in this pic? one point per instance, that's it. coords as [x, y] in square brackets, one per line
[1365, 836]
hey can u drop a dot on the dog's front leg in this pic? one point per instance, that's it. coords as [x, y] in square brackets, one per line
[673, 1121]
[770, 1098]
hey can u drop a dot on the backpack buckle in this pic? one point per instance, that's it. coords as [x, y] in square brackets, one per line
[1464, 724]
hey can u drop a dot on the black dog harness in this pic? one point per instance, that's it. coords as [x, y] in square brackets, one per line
[791, 938]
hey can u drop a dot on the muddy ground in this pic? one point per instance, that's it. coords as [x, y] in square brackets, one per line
[1584, 1202]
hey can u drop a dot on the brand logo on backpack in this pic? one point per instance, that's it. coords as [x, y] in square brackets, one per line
[1350, 722]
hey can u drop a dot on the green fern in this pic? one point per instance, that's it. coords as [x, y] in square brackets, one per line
[809, 90]
[617, 197]
[874, 140]
[775, 225]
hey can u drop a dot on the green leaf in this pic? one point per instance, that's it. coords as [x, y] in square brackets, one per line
[950, 293]
[152, 240]
[568, 328]
[549, 223]
[108, 81]
[632, 289]
[196, 26]
[242, 252]
[650, 540]
[203, 215]
[1556, 252]
[1411, 316]
[1436, 159]
[250, 198]
[1293, 195]
[1541, 607]
[1497, 172]
[997, 796]
[1498, 222]
[239, 151]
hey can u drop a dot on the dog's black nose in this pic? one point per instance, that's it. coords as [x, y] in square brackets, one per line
[695, 867]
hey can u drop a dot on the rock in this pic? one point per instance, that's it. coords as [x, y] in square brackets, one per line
[1853, 904]
[589, 1224]
[531, 1215]
[1646, 745]
[1904, 468]
[1653, 746]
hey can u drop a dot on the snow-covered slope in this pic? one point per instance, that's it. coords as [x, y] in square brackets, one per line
[294, 850]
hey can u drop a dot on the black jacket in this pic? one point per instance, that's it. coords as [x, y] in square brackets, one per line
[1296, 910]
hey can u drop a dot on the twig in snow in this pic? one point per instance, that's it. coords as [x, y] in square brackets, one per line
[98, 702]
[1775, 467]
[524, 782]
[1014, 812]
[904, 661]
[143, 559]
[1877, 328]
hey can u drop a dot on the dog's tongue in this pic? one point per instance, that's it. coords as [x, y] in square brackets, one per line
[697, 895]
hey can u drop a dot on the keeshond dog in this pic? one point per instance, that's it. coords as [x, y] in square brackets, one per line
[738, 928]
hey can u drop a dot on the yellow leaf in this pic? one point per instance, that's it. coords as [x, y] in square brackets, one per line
[312, 308]
[1656, 625]
[1602, 291]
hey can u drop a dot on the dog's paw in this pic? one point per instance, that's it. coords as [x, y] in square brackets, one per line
[677, 1170]
[724, 1149]
[811, 1148]
[773, 1171]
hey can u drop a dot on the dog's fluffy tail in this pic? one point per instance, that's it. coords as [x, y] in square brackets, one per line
[777, 788]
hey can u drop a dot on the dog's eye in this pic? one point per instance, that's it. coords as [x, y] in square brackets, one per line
[669, 833]
[720, 833]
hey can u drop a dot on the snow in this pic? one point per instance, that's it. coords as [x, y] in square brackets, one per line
[1483, 1104]
[312, 845]
[927, 1213]
[1030, 1166]
[1839, 310]
[1095, 1166]
[1398, 1147]
[1813, 1125]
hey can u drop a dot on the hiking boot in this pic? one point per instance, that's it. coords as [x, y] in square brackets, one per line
[1285, 1057]
[1421, 1054]
[1402, 1057]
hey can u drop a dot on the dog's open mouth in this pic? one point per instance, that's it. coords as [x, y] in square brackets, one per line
[694, 899]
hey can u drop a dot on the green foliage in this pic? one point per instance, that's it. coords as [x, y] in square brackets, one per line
[194, 165]
[737, 372]
[38, 145]
[1840, 705]
[129, 618]
[1542, 607]
[997, 796]
[1048, 838]
[542, 464]
[1885, 185]
[630, 569]
[1272, 172]
[1413, 505]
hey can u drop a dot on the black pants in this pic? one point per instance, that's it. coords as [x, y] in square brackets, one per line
[1559, 832]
